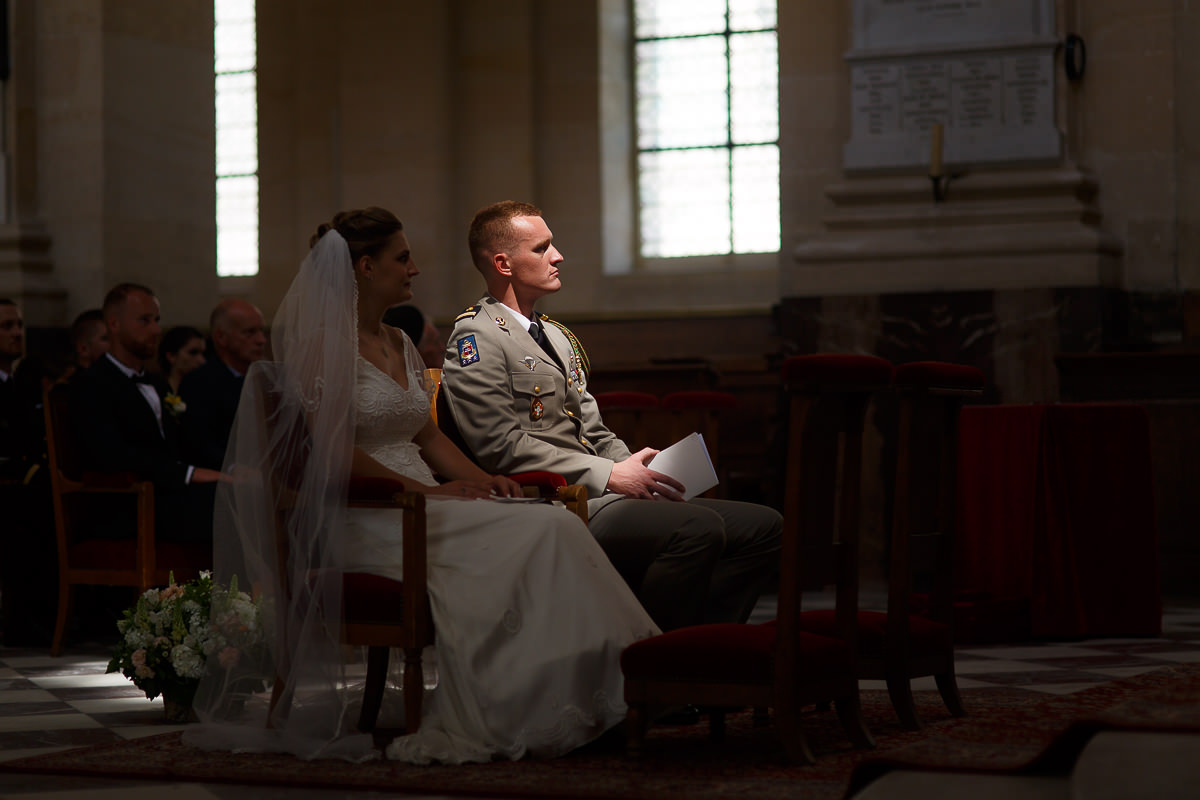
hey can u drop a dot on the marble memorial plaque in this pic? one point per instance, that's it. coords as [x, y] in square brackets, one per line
[984, 69]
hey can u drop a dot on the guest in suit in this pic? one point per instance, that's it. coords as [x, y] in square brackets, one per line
[89, 337]
[124, 424]
[421, 330]
[28, 566]
[516, 383]
[181, 352]
[212, 391]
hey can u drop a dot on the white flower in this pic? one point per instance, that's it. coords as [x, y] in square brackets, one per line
[186, 661]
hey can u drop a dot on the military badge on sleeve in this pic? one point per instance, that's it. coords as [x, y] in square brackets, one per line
[468, 353]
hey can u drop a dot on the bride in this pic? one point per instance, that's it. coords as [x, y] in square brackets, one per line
[530, 616]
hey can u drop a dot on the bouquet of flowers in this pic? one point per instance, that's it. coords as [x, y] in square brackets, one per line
[174, 635]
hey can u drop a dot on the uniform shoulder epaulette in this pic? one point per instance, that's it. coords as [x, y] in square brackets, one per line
[469, 313]
[580, 353]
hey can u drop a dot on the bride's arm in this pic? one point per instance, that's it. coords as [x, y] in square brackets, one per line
[362, 465]
[447, 460]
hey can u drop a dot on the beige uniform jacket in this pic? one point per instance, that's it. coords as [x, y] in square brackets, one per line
[517, 409]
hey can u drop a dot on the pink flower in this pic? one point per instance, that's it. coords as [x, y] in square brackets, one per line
[170, 593]
[229, 657]
[143, 671]
[138, 657]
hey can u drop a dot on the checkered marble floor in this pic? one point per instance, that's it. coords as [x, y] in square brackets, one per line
[49, 704]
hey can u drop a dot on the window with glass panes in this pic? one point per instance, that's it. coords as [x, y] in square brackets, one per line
[707, 110]
[236, 60]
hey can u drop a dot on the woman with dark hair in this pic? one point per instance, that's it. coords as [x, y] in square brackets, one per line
[180, 352]
[530, 616]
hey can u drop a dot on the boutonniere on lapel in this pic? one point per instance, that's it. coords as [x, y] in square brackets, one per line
[175, 405]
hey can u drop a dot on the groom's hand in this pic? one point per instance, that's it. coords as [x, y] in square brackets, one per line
[633, 478]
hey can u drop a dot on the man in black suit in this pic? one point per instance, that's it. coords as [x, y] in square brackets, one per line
[124, 424]
[212, 391]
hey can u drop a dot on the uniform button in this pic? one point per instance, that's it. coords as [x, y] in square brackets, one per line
[537, 388]
[582, 440]
[569, 414]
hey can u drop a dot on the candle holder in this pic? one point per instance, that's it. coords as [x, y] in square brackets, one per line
[941, 185]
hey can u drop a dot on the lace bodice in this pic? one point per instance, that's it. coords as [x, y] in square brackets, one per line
[389, 416]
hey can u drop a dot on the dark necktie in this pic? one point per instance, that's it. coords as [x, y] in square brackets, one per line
[539, 336]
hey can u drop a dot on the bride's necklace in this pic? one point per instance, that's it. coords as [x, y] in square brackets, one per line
[375, 342]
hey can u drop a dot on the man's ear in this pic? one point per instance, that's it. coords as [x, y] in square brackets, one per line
[501, 265]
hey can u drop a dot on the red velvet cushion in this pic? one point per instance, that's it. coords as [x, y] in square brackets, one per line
[926, 635]
[374, 490]
[728, 653]
[837, 369]
[701, 400]
[371, 598]
[611, 400]
[121, 554]
[543, 480]
[941, 374]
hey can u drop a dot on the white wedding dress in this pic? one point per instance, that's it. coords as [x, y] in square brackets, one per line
[531, 617]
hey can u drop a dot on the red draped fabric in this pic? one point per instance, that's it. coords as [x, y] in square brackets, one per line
[1056, 504]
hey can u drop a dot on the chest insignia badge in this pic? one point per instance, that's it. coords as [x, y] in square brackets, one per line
[530, 362]
[536, 409]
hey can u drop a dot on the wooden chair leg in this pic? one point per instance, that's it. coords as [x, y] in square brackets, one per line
[791, 735]
[414, 686]
[66, 596]
[849, 710]
[636, 719]
[377, 662]
[900, 691]
[947, 685]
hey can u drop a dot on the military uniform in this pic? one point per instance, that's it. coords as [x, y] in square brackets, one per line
[519, 408]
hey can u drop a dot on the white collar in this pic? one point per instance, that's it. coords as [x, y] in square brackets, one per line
[129, 373]
[521, 318]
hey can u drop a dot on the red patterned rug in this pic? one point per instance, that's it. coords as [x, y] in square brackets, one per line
[1006, 729]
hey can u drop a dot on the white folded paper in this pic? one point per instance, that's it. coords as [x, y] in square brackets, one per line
[688, 462]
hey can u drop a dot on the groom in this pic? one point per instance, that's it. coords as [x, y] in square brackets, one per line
[124, 423]
[516, 383]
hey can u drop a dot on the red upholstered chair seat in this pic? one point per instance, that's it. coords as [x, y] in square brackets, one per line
[940, 374]
[729, 653]
[837, 368]
[924, 634]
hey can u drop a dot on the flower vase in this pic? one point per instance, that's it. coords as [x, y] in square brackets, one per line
[178, 712]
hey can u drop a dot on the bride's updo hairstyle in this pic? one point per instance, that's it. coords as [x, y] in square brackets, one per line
[366, 230]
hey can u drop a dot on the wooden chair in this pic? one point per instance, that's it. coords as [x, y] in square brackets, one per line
[139, 562]
[634, 417]
[924, 516]
[381, 613]
[778, 665]
[701, 411]
[899, 645]
[433, 375]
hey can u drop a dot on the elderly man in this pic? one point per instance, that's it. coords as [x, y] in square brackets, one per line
[125, 425]
[516, 384]
[211, 392]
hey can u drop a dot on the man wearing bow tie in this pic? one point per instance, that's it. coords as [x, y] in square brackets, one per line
[516, 384]
[124, 422]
